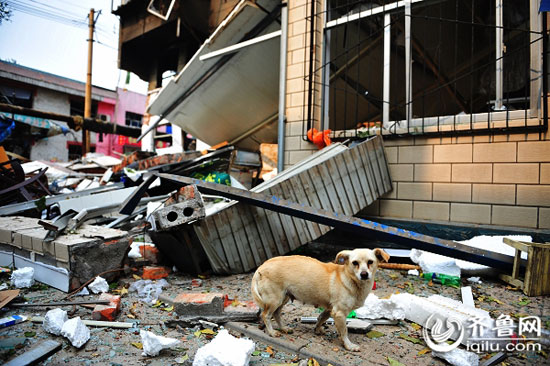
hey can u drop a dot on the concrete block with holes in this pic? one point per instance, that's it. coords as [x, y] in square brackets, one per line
[185, 206]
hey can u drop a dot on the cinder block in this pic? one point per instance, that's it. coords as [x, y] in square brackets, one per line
[459, 153]
[545, 174]
[472, 173]
[107, 312]
[48, 248]
[544, 218]
[432, 172]
[514, 216]
[495, 153]
[415, 154]
[396, 208]
[296, 71]
[391, 194]
[414, 191]
[5, 236]
[297, 13]
[431, 211]
[295, 114]
[533, 195]
[399, 142]
[295, 128]
[452, 192]
[494, 193]
[401, 172]
[534, 151]
[516, 173]
[391, 154]
[477, 214]
[296, 156]
[194, 304]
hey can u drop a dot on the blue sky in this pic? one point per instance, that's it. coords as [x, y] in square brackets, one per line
[55, 42]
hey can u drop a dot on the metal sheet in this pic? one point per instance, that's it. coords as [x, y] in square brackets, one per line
[236, 97]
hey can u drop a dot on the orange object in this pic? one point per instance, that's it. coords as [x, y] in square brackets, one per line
[319, 138]
[155, 273]
[107, 312]
[398, 266]
[150, 253]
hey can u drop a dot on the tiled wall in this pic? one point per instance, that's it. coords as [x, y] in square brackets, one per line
[496, 180]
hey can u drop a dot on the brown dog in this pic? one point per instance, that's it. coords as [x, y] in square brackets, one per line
[337, 287]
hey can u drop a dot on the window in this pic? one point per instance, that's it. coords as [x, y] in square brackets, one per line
[133, 119]
[16, 96]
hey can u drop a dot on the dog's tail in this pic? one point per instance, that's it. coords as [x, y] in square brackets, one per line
[254, 288]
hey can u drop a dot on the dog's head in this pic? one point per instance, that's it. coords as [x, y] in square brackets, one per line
[363, 263]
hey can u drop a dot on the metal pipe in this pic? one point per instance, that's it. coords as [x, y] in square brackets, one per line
[88, 93]
[282, 89]
[408, 62]
[499, 54]
[386, 75]
[74, 122]
[311, 59]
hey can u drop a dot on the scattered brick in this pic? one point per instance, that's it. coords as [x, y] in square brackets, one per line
[155, 273]
[107, 312]
[196, 304]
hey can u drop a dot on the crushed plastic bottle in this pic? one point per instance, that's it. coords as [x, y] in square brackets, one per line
[446, 280]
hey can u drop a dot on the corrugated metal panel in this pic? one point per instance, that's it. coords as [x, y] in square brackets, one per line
[340, 179]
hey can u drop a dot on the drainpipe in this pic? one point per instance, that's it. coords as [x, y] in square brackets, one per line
[282, 88]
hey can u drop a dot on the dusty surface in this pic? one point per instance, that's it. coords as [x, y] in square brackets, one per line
[114, 347]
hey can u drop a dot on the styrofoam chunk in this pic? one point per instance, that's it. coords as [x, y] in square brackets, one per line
[413, 272]
[76, 332]
[435, 263]
[458, 357]
[153, 344]
[23, 277]
[474, 280]
[375, 308]
[99, 285]
[225, 350]
[54, 320]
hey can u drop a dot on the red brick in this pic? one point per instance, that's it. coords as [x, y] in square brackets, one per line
[107, 312]
[196, 303]
[150, 253]
[155, 273]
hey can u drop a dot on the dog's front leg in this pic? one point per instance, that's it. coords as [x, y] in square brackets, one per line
[341, 325]
[320, 321]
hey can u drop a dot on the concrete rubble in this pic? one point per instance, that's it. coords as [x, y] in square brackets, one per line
[153, 344]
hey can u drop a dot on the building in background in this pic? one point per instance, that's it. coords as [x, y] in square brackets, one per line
[42, 139]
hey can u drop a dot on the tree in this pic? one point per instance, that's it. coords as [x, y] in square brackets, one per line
[5, 11]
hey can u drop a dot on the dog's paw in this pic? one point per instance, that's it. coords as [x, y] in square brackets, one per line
[319, 331]
[352, 347]
[275, 334]
[287, 330]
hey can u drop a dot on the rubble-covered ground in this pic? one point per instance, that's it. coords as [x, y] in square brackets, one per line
[388, 344]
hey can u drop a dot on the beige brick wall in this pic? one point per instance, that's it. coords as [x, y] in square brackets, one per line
[494, 180]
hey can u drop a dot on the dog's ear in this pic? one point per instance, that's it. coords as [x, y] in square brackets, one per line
[381, 255]
[342, 257]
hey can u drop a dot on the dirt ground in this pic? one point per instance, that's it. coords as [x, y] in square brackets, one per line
[109, 346]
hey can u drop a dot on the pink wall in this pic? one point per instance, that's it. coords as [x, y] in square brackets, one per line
[127, 101]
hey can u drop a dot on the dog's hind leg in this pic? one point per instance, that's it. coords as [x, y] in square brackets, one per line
[320, 321]
[267, 314]
[277, 316]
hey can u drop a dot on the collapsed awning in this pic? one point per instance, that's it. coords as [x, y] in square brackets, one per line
[227, 95]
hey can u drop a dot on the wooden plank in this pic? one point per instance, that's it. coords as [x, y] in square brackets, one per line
[517, 244]
[218, 264]
[317, 178]
[37, 353]
[354, 177]
[241, 240]
[254, 240]
[299, 224]
[364, 154]
[348, 185]
[328, 183]
[298, 193]
[308, 185]
[228, 241]
[517, 264]
[210, 234]
[385, 167]
[339, 187]
[286, 223]
[215, 229]
[512, 281]
[382, 165]
[371, 153]
[275, 223]
[364, 183]
[266, 236]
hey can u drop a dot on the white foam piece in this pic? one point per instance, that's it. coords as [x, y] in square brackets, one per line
[99, 285]
[435, 263]
[225, 350]
[23, 277]
[54, 320]
[153, 344]
[375, 308]
[76, 332]
[458, 357]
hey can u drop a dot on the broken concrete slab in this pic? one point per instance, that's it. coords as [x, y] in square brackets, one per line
[198, 304]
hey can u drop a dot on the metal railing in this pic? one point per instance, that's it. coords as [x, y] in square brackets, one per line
[441, 67]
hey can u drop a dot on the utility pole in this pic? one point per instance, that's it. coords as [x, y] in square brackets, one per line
[88, 95]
